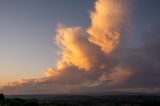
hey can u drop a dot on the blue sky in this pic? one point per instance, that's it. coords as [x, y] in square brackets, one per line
[27, 30]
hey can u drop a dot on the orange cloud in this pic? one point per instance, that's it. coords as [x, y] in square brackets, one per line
[50, 72]
[84, 52]
[107, 21]
[76, 49]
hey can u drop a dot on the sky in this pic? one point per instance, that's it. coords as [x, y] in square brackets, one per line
[77, 46]
[27, 30]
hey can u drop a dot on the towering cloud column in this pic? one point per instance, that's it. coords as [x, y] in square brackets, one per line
[107, 20]
[84, 52]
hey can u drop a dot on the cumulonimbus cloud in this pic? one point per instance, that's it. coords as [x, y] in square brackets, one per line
[88, 59]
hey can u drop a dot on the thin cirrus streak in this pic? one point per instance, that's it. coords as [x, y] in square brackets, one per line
[84, 54]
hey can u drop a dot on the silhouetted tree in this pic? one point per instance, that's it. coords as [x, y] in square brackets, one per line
[2, 97]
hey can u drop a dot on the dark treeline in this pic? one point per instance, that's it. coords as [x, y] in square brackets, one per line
[16, 102]
[63, 100]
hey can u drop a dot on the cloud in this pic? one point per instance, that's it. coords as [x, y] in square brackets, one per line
[108, 20]
[106, 24]
[96, 60]
[77, 50]
[142, 62]
[117, 75]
